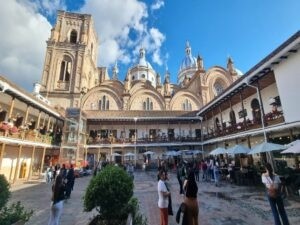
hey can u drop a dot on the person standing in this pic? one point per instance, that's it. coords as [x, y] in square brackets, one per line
[163, 198]
[58, 196]
[70, 181]
[179, 177]
[190, 200]
[216, 173]
[63, 171]
[272, 183]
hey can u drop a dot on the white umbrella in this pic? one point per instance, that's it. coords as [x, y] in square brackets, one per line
[295, 148]
[148, 153]
[186, 152]
[218, 151]
[266, 147]
[197, 152]
[238, 149]
[172, 153]
[129, 154]
[296, 142]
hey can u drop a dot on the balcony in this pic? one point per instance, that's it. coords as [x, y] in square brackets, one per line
[140, 141]
[271, 118]
[24, 133]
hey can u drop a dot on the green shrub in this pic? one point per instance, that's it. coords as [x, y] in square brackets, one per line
[13, 213]
[133, 208]
[109, 192]
[4, 191]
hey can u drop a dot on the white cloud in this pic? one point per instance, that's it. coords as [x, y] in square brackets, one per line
[47, 7]
[157, 5]
[121, 27]
[22, 43]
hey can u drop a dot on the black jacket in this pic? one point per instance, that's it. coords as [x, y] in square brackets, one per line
[181, 209]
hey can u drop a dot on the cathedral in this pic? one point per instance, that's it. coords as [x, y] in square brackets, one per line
[144, 106]
[80, 114]
[70, 70]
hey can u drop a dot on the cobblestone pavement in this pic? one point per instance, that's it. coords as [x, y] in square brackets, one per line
[224, 205]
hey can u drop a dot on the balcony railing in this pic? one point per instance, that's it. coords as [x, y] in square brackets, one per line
[22, 133]
[99, 140]
[270, 118]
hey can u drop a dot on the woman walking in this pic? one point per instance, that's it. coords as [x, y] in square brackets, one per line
[190, 200]
[58, 195]
[272, 183]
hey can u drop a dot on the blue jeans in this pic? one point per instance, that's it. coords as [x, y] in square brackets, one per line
[216, 176]
[278, 209]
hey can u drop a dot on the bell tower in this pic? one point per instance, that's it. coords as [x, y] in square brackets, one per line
[71, 59]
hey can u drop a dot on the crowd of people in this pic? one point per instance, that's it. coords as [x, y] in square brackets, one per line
[188, 174]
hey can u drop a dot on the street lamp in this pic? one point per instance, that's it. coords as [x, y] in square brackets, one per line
[269, 154]
[201, 137]
[82, 92]
[260, 109]
[135, 136]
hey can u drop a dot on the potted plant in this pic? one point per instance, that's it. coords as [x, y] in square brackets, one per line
[14, 213]
[110, 193]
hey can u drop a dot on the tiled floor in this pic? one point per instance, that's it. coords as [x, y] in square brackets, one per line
[224, 205]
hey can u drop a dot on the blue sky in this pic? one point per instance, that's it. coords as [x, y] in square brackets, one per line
[246, 30]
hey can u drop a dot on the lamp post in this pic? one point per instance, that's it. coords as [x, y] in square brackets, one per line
[201, 136]
[269, 154]
[260, 109]
[135, 138]
[82, 92]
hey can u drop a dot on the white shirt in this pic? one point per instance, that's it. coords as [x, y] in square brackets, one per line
[267, 181]
[163, 201]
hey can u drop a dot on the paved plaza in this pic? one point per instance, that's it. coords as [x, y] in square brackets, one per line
[225, 205]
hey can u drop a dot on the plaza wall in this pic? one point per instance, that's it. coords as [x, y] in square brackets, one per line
[287, 75]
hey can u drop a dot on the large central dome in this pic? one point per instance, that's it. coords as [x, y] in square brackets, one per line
[143, 70]
[189, 60]
[142, 59]
[188, 65]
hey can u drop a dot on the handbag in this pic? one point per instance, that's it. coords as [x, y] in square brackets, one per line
[273, 192]
[170, 209]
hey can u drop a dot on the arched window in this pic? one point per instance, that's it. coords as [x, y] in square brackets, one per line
[148, 104]
[65, 69]
[187, 105]
[92, 49]
[73, 37]
[232, 117]
[104, 103]
[256, 111]
[218, 88]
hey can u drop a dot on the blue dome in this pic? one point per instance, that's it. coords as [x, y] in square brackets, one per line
[188, 61]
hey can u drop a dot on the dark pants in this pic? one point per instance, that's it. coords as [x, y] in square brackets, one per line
[69, 188]
[180, 185]
[278, 209]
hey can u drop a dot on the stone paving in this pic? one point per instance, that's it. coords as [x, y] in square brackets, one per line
[225, 205]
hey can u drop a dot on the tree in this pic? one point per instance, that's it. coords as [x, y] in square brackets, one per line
[109, 192]
[13, 213]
